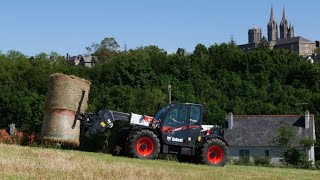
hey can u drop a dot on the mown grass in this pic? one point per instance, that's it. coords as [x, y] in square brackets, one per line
[18, 162]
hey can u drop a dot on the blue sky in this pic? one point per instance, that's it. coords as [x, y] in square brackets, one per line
[68, 26]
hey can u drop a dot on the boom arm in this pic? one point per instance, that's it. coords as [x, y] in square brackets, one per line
[95, 124]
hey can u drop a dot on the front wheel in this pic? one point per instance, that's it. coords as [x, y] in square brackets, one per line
[213, 152]
[143, 144]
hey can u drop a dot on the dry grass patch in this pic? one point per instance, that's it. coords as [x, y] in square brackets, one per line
[18, 162]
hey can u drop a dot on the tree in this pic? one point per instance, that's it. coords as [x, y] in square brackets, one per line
[284, 137]
[263, 44]
[107, 48]
[200, 52]
[181, 51]
[15, 55]
[232, 42]
[110, 44]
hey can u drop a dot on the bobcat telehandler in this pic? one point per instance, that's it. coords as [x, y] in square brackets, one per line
[175, 129]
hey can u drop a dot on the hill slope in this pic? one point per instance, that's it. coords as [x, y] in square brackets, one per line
[28, 162]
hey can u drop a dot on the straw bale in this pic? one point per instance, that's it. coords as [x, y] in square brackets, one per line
[64, 92]
[57, 125]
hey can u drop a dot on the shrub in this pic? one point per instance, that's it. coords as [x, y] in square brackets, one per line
[317, 164]
[261, 160]
[297, 158]
[243, 161]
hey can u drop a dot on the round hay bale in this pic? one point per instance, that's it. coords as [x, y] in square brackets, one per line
[64, 92]
[62, 101]
[56, 127]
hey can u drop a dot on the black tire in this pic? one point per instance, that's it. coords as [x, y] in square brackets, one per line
[213, 152]
[143, 144]
[119, 142]
[185, 159]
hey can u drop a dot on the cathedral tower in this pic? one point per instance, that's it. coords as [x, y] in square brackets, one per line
[272, 28]
[286, 32]
[291, 31]
[254, 35]
[284, 26]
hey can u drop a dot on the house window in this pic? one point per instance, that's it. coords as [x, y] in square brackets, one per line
[244, 154]
[266, 153]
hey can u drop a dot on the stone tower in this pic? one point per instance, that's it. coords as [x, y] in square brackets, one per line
[286, 31]
[272, 28]
[254, 35]
[291, 31]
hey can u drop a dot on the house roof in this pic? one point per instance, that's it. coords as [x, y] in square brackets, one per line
[298, 39]
[248, 46]
[262, 130]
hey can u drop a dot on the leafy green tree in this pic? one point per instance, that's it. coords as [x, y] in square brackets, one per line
[285, 135]
[200, 52]
[107, 48]
[181, 51]
[263, 44]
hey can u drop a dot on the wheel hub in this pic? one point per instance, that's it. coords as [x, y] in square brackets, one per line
[213, 154]
[143, 147]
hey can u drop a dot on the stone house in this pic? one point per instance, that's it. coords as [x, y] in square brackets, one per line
[80, 60]
[301, 45]
[255, 135]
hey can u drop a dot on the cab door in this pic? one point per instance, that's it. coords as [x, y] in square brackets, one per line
[195, 121]
[175, 125]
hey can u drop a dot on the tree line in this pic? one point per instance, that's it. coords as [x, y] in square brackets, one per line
[222, 77]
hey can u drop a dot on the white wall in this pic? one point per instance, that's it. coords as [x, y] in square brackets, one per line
[274, 153]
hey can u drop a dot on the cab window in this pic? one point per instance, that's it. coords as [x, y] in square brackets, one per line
[177, 117]
[195, 115]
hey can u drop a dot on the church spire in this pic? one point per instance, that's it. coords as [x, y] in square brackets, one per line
[290, 31]
[272, 27]
[284, 28]
[284, 17]
[271, 14]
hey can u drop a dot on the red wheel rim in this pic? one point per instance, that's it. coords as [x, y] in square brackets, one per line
[145, 146]
[215, 154]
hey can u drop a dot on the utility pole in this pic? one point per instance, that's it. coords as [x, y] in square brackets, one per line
[169, 94]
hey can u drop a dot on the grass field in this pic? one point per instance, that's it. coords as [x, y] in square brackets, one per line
[18, 162]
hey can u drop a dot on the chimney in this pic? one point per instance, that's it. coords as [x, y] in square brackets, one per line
[230, 120]
[306, 119]
[68, 56]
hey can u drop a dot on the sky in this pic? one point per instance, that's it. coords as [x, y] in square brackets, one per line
[68, 26]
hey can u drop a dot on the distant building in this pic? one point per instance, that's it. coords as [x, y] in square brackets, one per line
[301, 45]
[252, 136]
[80, 60]
[249, 46]
[254, 35]
[287, 40]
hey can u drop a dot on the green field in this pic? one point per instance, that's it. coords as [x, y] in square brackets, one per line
[18, 162]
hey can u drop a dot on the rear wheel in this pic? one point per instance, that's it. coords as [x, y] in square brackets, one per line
[143, 144]
[213, 152]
